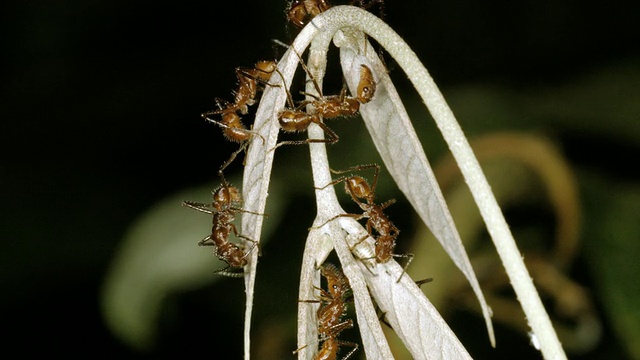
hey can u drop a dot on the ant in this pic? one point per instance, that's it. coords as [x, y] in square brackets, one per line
[231, 123]
[334, 302]
[223, 208]
[387, 232]
[296, 119]
[333, 308]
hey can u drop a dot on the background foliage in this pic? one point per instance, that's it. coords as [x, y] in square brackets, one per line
[100, 105]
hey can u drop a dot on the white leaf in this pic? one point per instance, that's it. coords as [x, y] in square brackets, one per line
[257, 174]
[400, 149]
[352, 17]
[427, 336]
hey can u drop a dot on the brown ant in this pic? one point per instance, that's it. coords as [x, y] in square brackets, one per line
[297, 119]
[387, 233]
[231, 122]
[334, 302]
[330, 313]
[224, 208]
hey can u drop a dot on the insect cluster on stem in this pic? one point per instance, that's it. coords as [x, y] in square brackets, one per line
[296, 117]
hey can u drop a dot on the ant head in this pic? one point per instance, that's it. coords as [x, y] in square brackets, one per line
[366, 86]
[358, 187]
[225, 196]
[337, 283]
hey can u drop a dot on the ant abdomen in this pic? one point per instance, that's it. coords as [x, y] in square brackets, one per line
[232, 254]
[234, 130]
[294, 121]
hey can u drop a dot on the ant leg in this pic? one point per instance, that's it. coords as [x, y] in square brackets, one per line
[255, 244]
[310, 301]
[198, 206]
[302, 63]
[368, 265]
[223, 107]
[355, 216]
[225, 183]
[333, 138]
[247, 211]
[376, 172]
[338, 328]
[306, 102]
[345, 178]
[284, 85]
[298, 349]
[358, 243]
[207, 241]
[424, 281]
[206, 115]
[350, 187]
[409, 256]
[351, 344]
[250, 74]
[226, 272]
[300, 142]
[387, 203]
[358, 168]
[233, 157]
[240, 236]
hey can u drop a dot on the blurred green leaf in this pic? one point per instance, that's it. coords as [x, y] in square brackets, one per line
[159, 255]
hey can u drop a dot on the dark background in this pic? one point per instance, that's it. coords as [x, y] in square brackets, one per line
[100, 104]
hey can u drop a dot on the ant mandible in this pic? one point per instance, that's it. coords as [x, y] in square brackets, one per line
[359, 189]
[224, 208]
